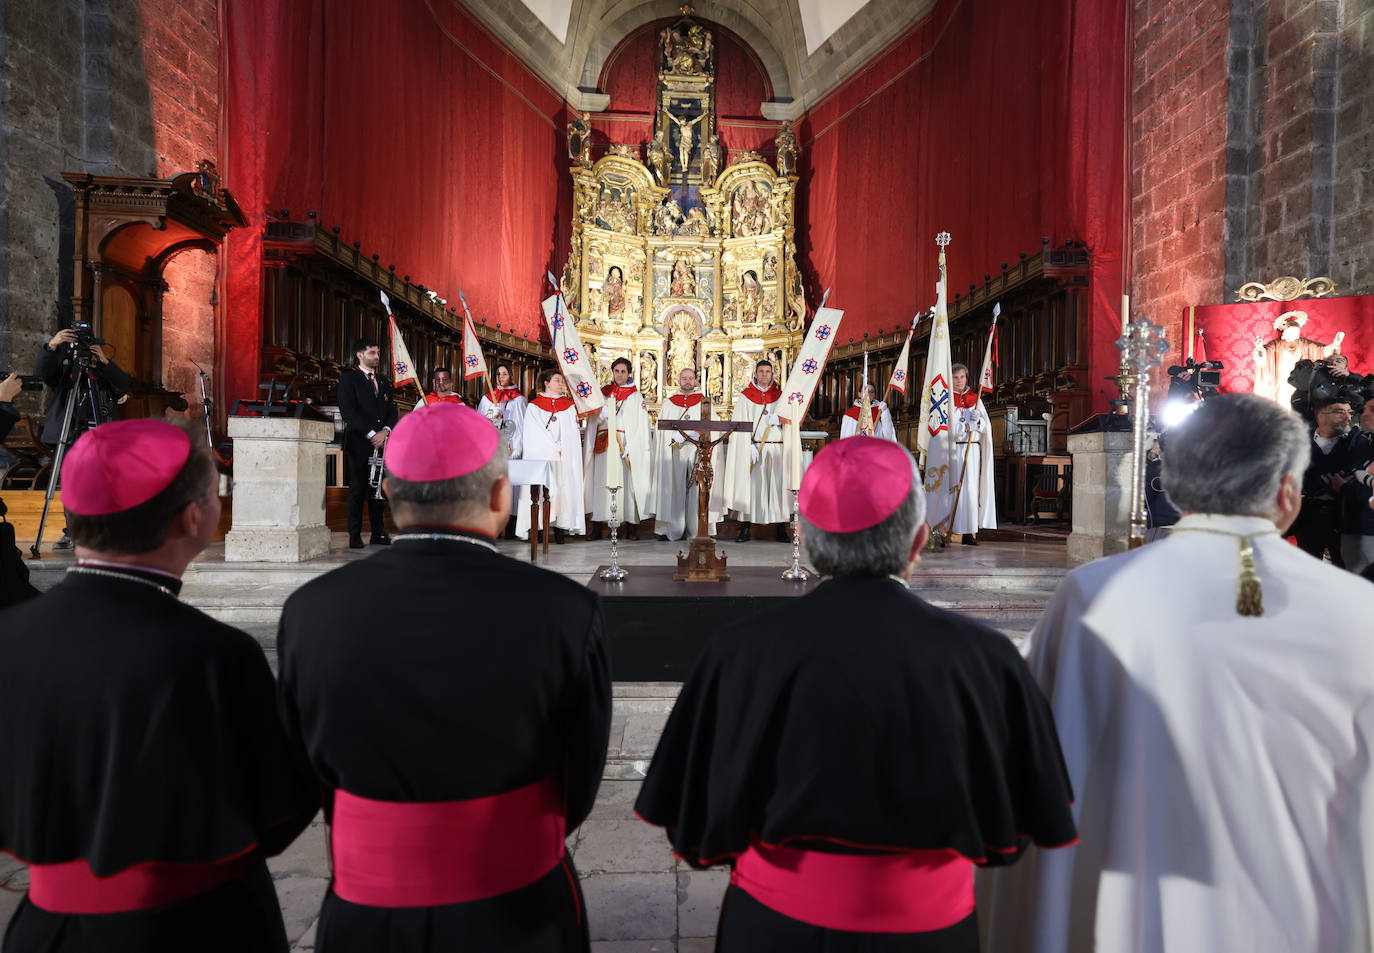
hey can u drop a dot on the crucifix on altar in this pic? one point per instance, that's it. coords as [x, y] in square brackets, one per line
[701, 562]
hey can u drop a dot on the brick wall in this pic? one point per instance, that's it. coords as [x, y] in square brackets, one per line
[1178, 174]
[1352, 253]
[113, 87]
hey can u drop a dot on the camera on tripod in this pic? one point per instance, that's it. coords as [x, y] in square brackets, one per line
[1189, 385]
[81, 347]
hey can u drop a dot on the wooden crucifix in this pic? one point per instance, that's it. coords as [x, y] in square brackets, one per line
[701, 562]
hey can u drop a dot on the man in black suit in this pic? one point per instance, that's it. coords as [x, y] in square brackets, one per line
[367, 403]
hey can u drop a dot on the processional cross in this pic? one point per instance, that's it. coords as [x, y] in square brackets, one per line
[701, 562]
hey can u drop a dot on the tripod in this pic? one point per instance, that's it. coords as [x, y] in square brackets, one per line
[84, 390]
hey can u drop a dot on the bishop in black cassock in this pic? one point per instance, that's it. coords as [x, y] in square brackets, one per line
[854, 755]
[455, 704]
[144, 774]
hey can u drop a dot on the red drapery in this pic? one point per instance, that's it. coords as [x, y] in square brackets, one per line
[408, 127]
[1230, 331]
[996, 120]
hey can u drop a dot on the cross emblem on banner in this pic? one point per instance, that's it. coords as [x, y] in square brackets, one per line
[584, 390]
[401, 368]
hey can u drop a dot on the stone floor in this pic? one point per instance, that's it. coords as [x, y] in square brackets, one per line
[639, 897]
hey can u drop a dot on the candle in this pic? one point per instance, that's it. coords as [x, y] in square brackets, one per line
[615, 477]
[794, 452]
[1125, 312]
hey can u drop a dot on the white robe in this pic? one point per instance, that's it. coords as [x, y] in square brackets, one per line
[1220, 763]
[632, 422]
[757, 492]
[510, 418]
[674, 500]
[554, 436]
[849, 425]
[977, 501]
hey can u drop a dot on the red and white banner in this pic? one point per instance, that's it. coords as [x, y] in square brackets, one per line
[474, 362]
[572, 357]
[403, 370]
[898, 382]
[810, 364]
[935, 392]
[990, 355]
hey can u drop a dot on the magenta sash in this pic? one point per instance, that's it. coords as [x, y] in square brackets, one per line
[430, 853]
[71, 887]
[907, 892]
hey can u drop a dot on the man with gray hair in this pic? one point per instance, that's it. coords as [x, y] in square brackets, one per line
[455, 705]
[854, 755]
[1214, 693]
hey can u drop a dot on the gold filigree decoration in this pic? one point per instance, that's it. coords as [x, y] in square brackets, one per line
[1287, 288]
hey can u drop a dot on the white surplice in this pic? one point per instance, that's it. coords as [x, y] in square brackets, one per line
[507, 405]
[976, 499]
[675, 495]
[757, 491]
[1221, 764]
[882, 421]
[550, 432]
[632, 426]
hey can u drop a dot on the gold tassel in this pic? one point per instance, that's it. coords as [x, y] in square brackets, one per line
[1250, 598]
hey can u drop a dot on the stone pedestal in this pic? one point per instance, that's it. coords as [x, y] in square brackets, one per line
[1101, 494]
[278, 490]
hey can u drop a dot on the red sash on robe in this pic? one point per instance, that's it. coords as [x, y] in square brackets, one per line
[72, 887]
[432, 853]
[904, 892]
[754, 395]
[552, 404]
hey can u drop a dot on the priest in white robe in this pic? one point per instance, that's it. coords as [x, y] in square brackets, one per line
[550, 432]
[632, 440]
[675, 496]
[755, 465]
[504, 406]
[1214, 696]
[879, 416]
[964, 501]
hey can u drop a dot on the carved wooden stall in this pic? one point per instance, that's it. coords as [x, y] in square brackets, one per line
[127, 230]
[320, 296]
[1043, 369]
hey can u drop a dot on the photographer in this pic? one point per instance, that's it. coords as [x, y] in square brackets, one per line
[14, 575]
[1353, 486]
[1334, 450]
[59, 364]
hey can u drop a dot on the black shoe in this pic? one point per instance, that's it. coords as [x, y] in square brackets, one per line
[379, 539]
[743, 536]
[784, 533]
[64, 543]
[969, 540]
[558, 536]
[355, 542]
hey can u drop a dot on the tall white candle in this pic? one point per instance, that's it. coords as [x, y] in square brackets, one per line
[615, 471]
[794, 453]
[1125, 312]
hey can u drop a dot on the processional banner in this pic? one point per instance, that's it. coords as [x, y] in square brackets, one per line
[572, 357]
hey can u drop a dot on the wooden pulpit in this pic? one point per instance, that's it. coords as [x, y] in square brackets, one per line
[701, 562]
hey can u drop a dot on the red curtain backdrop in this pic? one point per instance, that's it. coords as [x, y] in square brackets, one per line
[411, 129]
[998, 121]
[1229, 331]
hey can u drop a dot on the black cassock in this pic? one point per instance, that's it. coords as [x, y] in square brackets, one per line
[859, 719]
[438, 670]
[135, 729]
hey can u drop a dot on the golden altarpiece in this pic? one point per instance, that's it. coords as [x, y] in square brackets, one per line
[678, 259]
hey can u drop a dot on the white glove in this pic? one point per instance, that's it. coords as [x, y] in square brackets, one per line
[754, 453]
[773, 420]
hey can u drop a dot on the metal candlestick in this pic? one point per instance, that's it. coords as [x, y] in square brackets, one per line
[1142, 347]
[795, 572]
[613, 572]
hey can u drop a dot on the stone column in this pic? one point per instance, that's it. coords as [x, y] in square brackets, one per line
[278, 490]
[1101, 494]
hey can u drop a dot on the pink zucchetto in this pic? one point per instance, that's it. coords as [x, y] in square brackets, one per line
[119, 465]
[440, 442]
[854, 484]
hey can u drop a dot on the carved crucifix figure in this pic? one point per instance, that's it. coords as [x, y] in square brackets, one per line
[684, 138]
[701, 563]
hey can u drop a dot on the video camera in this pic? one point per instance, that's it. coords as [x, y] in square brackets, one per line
[1313, 382]
[1202, 378]
[81, 349]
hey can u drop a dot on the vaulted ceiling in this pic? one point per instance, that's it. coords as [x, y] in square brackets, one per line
[808, 47]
